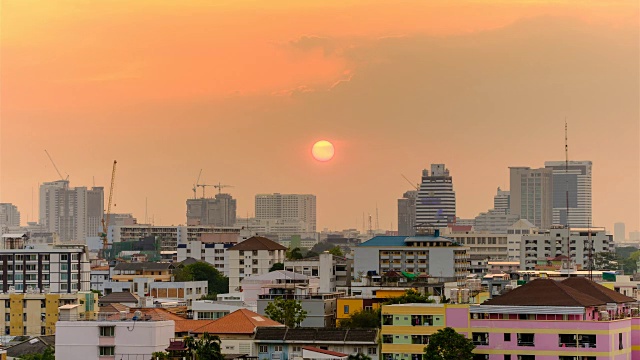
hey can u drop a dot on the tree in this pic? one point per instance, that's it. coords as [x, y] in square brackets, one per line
[310, 254]
[363, 319]
[359, 356]
[336, 251]
[48, 354]
[277, 266]
[321, 247]
[205, 348]
[294, 254]
[605, 261]
[409, 297]
[202, 271]
[288, 312]
[447, 344]
[160, 355]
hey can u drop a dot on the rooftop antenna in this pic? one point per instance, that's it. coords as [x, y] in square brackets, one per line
[566, 177]
[370, 229]
[377, 219]
[195, 186]
[590, 242]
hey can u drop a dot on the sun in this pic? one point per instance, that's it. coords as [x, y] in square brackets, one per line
[322, 150]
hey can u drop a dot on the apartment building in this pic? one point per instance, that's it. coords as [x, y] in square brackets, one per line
[436, 201]
[180, 234]
[543, 319]
[301, 207]
[283, 343]
[173, 291]
[52, 269]
[34, 314]
[407, 213]
[9, 215]
[579, 242]
[531, 195]
[111, 336]
[514, 237]
[254, 256]
[427, 253]
[213, 253]
[332, 270]
[480, 243]
[572, 181]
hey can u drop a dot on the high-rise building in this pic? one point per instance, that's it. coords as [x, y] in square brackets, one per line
[9, 215]
[217, 211]
[72, 213]
[531, 195]
[576, 178]
[288, 207]
[436, 202]
[501, 201]
[619, 232]
[407, 213]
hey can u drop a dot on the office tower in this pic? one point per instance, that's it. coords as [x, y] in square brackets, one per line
[407, 213]
[531, 195]
[217, 211]
[501, 201]
[619, 232]
[436, 203]
[73, 213]
[288, 207]
[9, 215]
[577, 179]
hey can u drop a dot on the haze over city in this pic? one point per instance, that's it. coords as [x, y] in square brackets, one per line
[243, 91]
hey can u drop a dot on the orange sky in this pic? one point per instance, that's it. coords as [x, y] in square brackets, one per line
[242, 90]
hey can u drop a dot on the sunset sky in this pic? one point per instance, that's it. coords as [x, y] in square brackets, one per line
[242, 89]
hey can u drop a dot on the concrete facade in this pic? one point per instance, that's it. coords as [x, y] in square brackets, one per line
[9, 215]
[300, 207]
[213, 253]
[332, 270]
[576, 180]
[407, 213]
[531, 195]
[436, 202]
[217, 211]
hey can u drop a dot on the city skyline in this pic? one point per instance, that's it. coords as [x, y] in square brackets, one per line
[393, 87]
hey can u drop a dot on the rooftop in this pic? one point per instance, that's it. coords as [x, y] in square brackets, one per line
[384, 241]
[119, 297]
[284, 334]
[241, 321]
[150, 266]
[258, 243]
[596, 290]
[545, 292]
[322, 351]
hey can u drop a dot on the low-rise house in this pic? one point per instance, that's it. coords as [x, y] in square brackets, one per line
[287, 343]
[34, 345]
[178, 291]
[159, 271]
[211, 310]
[333, 271]
[125, 298]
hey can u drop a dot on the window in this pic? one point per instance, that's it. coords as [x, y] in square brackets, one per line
[620, 341]
[525, 339]
[507, 357]
[387, 339]
[107, 350]
[480, 338]
[297, 349]
[346, 309]
[107, 331]
[372, 351]
[64, 257]
[263, 348]
[507, 336]
[277, 348]
[357, 350]
[526, 357]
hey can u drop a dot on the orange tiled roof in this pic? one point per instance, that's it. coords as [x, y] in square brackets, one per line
[184, 325]
[100, 268]
[241, 321]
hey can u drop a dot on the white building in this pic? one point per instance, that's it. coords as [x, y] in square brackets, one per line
[180, 234]
[436, 202]
[9, 215]
[211, 310]
[333, 271]
[216, 211]
[557, 241]
[494, 221]
[215, 254]
[175, 291]
[481, 243]
[112, 336]
[72, 213]
[576, 179]
[52, 269]
[280, 229]
[254, 256]
[514, 238]
[252, 286]
[99, 276]
[502, 200]
[619, 232]
[288, 207]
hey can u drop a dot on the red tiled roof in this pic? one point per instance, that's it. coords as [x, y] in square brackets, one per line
[241, 321]
[99, 268]
[327, 352]
[183, 326]
[596, 290]
[545, 292]
[258, 243]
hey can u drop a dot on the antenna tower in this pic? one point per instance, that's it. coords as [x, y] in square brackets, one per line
[377, 219]
[566, 171]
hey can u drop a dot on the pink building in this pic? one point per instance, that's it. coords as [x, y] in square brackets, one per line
[575, 319]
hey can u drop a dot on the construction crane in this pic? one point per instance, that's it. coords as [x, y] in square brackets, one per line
[196, 184]
[220, 187]
[203, 186]
[55, 167]
[409, 181]
[105, 224]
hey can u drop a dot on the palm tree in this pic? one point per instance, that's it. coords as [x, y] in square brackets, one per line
[205, 348]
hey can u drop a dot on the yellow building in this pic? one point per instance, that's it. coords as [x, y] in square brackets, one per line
[406, 327]
[349, 305]
[37, 314]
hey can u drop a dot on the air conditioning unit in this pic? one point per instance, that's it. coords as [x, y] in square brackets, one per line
[579, 337]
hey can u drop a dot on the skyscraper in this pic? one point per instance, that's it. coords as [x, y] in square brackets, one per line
[407, 213]
[9, 215]
[72, 213]
[619, 232]
[531, 195]
[288, 207]
[577, 179]
[436, 203]
[217, 211]
[501, 201]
